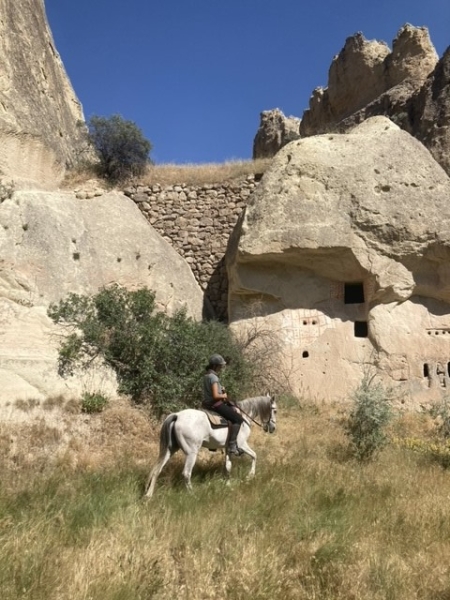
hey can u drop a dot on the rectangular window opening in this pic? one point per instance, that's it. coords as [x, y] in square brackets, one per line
[361, 329]
[354, 293]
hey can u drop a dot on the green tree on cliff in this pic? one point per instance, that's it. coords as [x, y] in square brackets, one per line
[122, 149]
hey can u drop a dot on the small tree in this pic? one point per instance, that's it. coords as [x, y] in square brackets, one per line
[155, 357]
[122, 149]
[370, 414]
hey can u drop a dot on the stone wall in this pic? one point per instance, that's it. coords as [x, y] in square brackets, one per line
[198, 220]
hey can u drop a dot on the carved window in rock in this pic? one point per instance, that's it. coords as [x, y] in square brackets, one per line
[437, 373]
[354, 293]
[361, 329]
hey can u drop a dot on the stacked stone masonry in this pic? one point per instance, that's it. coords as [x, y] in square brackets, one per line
[197, 220]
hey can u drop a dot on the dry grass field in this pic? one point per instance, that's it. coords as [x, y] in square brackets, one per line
[313, 524]
[171, 174]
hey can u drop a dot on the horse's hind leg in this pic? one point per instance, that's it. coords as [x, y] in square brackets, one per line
[150, 487]
[188, 466]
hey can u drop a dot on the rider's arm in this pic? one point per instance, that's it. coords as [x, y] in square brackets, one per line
[215, 392]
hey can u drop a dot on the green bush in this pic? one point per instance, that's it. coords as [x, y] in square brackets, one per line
[122, 149]
[93, 402]
[156, 358]
[370, 414]
[440, 412]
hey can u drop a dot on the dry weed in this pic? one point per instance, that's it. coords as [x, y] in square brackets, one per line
[172, 174]
[27, 405]
[54, 402]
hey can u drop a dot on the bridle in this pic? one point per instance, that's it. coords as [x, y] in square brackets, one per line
[272, 422]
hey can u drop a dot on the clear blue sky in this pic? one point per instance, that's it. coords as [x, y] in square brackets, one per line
[194, 75]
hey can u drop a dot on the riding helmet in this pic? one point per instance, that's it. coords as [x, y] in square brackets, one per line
[216, 359]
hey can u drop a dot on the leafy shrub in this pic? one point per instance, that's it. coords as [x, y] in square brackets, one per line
[440, 412]
[93, 403]
[156, 358]
[368, 419]
[122, 149]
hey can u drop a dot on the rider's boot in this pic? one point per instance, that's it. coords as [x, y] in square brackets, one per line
[232, 447]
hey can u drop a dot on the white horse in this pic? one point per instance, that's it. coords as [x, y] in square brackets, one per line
[191, 429]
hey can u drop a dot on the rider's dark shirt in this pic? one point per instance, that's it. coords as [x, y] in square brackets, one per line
[208, 380]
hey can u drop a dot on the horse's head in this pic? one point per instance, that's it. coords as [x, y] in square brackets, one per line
[271, 424]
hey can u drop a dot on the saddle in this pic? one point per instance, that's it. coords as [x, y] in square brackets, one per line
[215, 419]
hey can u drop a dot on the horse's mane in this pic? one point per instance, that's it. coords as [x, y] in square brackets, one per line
[260, 406]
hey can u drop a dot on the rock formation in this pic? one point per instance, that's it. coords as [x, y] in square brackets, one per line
[408, 84]
[343, 252]
[52, 244]
[423, 111]
[365, 70]
[275, 131]
[41, 120]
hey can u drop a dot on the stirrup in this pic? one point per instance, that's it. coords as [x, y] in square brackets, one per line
[233, 449]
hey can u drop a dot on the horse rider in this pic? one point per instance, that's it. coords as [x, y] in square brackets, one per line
[215, 398]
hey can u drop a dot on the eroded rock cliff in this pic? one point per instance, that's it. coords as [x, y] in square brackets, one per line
[53, 244]
[41, 119]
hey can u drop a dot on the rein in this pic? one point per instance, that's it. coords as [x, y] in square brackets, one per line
[244, 413]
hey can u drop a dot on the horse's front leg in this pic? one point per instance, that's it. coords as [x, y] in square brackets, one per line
[247, 450]
[228, 465]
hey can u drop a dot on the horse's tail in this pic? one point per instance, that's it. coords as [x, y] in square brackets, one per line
[167, 437]
[168, 445]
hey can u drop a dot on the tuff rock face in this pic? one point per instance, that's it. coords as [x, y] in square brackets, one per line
[275, 131]
[343, 253]
[41, 119]
[52, 244]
